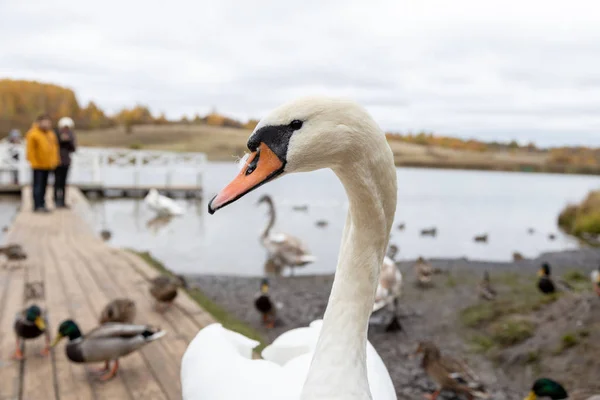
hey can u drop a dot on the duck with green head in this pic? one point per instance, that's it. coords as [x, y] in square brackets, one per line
[106, 343]
[30, 323]
[545, 388]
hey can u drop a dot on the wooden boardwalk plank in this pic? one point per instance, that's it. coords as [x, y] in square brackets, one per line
[81, 274]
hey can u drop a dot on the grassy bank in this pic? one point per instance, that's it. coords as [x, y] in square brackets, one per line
[583, 220]
[227, 144]
[219, 314]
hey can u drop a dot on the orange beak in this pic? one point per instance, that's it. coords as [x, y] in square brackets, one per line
[262, 166]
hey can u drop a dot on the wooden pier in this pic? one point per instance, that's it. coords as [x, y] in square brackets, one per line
[81, 274]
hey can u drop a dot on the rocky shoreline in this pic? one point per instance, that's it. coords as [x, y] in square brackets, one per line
[426, 315]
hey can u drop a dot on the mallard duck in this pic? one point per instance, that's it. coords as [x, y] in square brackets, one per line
[119, 310]
[283, 249]
[545, 388]
[105, 234]
[321, 223]
[424, 272]
[595, 275]
[107, 342]
[30, 323]
[164, 288]
[485, 289]
[13, 253]
[449, 373]
[429, 232]
[481, 238]
[547, 285]
[265, 306]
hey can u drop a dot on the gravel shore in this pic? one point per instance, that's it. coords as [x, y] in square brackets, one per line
[429, 314]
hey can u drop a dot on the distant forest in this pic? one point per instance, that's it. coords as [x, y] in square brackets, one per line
[21, 101]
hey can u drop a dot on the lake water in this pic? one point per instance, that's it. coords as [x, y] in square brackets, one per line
[461, 204]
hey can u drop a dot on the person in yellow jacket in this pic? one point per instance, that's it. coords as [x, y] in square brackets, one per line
[42, 154]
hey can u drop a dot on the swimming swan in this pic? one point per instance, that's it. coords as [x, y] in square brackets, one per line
[333, 359]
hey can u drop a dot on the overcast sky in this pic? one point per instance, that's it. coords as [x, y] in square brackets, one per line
[528, 69]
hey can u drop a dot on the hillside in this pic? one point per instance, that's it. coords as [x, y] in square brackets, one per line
[227, 144]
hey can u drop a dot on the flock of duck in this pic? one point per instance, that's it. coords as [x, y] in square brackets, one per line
[115, 336]
[331, 358]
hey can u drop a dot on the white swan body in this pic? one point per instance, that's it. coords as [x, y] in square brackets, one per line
[162, 205]
[278, 376]
[301, 136]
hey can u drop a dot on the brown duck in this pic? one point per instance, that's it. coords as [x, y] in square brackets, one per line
[164, 288]
[119, 310]
[449, 374]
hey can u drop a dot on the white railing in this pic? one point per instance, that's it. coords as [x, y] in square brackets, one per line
[113, 168]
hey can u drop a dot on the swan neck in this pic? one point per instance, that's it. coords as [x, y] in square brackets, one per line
[371, 191]
[271, 222]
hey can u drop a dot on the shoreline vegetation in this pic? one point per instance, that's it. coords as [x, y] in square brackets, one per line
[224, 138]
[583, 220]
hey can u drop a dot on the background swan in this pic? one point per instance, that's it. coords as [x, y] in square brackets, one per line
[284, 250]
[162, 205]
[306, 135]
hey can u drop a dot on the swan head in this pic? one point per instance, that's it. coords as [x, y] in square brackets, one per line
[303, 135]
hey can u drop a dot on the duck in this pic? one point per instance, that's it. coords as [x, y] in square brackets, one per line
[547, 285]
[265, 306]
[303, 207]
[429, 232]
[531, 231]
[321, 223]
[401, 226]
[546, 388]
[449, 373]
[517, 256]
[389, 288]
[30, 323]
[164, 289]
[105, 343]
[283, 249]
[105, 234]
[14, 253]
[424, 272]
[483, 238]
[162, 205]
[331, 358]
[595, 275]
[118, 310]
[551, 236]
[485, 289]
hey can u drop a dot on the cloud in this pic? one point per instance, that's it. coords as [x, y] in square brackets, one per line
[494, 70]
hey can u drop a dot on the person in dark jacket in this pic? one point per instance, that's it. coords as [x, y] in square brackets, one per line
[66, 143]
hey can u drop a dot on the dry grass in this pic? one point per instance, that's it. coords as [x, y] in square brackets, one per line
[226, 144]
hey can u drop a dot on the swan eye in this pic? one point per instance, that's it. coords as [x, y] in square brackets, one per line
[296, 124]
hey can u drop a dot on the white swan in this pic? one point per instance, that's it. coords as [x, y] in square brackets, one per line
[595, 275]
[284, 250]
[301, 136]
[162, 205]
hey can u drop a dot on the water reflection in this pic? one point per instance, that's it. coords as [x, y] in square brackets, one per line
[158, 222]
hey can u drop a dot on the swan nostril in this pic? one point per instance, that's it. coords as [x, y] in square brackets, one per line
[253, 164]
